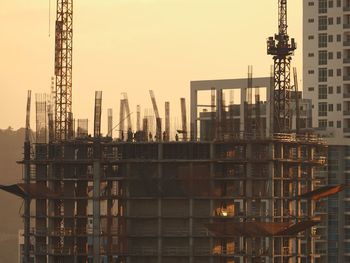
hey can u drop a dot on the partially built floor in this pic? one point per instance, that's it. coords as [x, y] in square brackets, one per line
[99, 200]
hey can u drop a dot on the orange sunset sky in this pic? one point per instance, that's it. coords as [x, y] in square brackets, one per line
[133, 46]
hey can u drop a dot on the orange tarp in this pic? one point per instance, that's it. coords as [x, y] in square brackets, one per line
[29, 190]
[323, 192]
[259, 229]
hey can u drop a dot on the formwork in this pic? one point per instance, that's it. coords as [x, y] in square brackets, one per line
[240, 200]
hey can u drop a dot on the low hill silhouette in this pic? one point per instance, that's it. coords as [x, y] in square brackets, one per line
[11, 150]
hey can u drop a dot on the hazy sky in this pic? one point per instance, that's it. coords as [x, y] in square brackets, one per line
[133, 46]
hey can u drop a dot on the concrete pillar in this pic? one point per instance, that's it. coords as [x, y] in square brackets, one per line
[190, 207]
[193, 119]
[212, 174]
[269, 110]
[127, 211]
[341, 208]
[218, 114]
[26, 205]
[271, 187]
[242, 111]
[159, 176]
[96, 205]
[249, 197]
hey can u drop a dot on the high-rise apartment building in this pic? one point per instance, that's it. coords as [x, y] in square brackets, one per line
[326, 81]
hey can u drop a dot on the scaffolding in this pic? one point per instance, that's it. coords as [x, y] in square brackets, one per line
[243, 200]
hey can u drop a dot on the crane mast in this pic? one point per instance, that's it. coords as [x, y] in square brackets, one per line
[281, 48]
[63, 70]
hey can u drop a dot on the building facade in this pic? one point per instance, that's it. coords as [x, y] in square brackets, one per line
[326, 81]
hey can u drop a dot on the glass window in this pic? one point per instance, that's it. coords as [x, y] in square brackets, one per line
[322, 123]
[338, 20]
[322, 75]
[338, 124]
[311, 3]
[339, 107]
[339, 72]
[330, 55]
[322, 6]
[322, 109]
[322, 40]
[322, 91]
[330, 38]
[311, 55]
[330, 124]
[338, 38]
[338, 55]
[322, 57]
[330, 108]
[330, 73]
[330, 3]
[330, 90]
[311, 37]
[322, 23]
[330, 20]
[338, 3]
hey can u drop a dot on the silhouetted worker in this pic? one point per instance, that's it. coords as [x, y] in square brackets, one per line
[122, 138]
[164, 136]
[176, 137]
[150, 136]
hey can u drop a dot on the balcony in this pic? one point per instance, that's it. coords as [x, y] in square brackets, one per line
[346, 95]
[346, 26]
[346, 8]
[346, 112]
[346, 43]
[346, 60]
[346, 78]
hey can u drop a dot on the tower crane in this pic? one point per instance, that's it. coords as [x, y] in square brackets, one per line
[281, 48]
[63, 70]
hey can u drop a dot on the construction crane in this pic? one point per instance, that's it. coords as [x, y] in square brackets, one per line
[63, 70]
[281, 48]
[156, 113]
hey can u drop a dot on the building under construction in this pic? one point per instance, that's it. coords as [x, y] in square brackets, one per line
[244, 189]
[237, 197]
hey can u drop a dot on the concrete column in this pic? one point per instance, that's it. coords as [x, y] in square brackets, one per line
[159, 176]
[269, 110]
[96, 210]
[218, 114]
[26, 256]
[193, 119]
[127, 211]
[212, 174]
[249, 196]
[297, 204]
[190, 207]
[242, 110]
[271, 187]
[341, 206]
